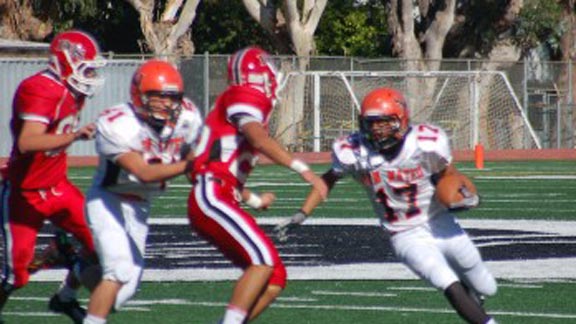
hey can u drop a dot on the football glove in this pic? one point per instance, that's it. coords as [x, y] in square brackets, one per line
[470, 201]
[281, 230]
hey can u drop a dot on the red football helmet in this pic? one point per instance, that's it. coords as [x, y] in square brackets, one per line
[252, 66]
[75, 57]
[388, 108]
[158, 78]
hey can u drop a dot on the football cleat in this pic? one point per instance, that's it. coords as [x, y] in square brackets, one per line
[71, 309]
[59, 253]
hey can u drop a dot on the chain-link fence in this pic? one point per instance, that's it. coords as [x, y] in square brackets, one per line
[544, 89]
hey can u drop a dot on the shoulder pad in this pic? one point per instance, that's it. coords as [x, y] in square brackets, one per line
[346, 149]
[188, 105]
[431, 138]
[120, 126]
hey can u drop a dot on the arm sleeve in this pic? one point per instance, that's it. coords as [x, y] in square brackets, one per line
[37, 103]
[241, 114]
[344, 155]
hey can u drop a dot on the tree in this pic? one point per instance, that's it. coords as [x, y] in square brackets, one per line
[36, 19]
[292, 28]
[222, 27]
[167, 33]
[353, 28]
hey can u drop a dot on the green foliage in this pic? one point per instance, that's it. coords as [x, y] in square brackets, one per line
[352, 29]
[223, 26]
[539, 21]
[65, 12]
[113, 23]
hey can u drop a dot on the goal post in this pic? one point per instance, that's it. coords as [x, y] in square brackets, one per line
[473, 107]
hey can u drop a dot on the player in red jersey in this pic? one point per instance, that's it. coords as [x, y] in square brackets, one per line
[235, 131]
[45, 121]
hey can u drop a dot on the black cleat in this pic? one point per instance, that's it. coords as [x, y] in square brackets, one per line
[71, 309]
[60, 253]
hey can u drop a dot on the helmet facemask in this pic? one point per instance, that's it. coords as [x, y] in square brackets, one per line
[161, 108]
[85, 78]
[382, 131]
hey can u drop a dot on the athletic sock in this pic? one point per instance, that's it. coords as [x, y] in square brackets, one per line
[91, 319]
[234, 315]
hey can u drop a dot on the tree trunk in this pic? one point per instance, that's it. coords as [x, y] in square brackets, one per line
[170, 37]
[19, 22]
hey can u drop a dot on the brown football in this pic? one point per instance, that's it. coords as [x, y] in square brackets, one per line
[448, 189]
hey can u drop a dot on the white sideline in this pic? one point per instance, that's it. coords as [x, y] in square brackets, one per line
[553, 268]
[558, 268]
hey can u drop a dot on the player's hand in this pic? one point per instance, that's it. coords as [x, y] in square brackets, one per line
[85, 133]
[470, 200]
[267, 199]
[281, 230]
[316, 182]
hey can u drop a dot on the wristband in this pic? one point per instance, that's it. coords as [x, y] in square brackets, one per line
[254, 201]
[299, 166]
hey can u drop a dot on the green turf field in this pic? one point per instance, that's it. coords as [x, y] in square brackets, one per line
[512, 190]
[330, 302]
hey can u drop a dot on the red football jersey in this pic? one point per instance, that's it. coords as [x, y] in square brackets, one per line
[45, 99]
[223, 150]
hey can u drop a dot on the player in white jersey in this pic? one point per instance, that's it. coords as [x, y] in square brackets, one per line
[398, 164]
[141, 144]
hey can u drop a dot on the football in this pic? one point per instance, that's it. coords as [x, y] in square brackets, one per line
[448, 189]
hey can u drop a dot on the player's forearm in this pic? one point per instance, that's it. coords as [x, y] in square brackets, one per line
[44, 142]
[274, 151]
[259, 138]
[312, 201]
[314, 198]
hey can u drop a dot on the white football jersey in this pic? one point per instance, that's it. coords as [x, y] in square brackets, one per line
[401, 190]
[119, 131]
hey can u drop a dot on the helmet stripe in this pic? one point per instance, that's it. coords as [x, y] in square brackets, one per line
[237, 66]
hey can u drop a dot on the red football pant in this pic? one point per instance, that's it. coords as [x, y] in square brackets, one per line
[23, 215]
[216, 215]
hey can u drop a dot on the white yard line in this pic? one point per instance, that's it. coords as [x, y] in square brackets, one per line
[556, 268]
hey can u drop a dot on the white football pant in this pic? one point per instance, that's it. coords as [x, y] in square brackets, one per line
[120, 228]
[441, 253]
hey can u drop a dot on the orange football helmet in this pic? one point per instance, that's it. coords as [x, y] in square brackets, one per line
[384, 117]
[158, 78]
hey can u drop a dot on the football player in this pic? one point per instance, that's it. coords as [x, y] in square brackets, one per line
[141, 144]
[45, 122]
[236, 130]
[398, 163]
